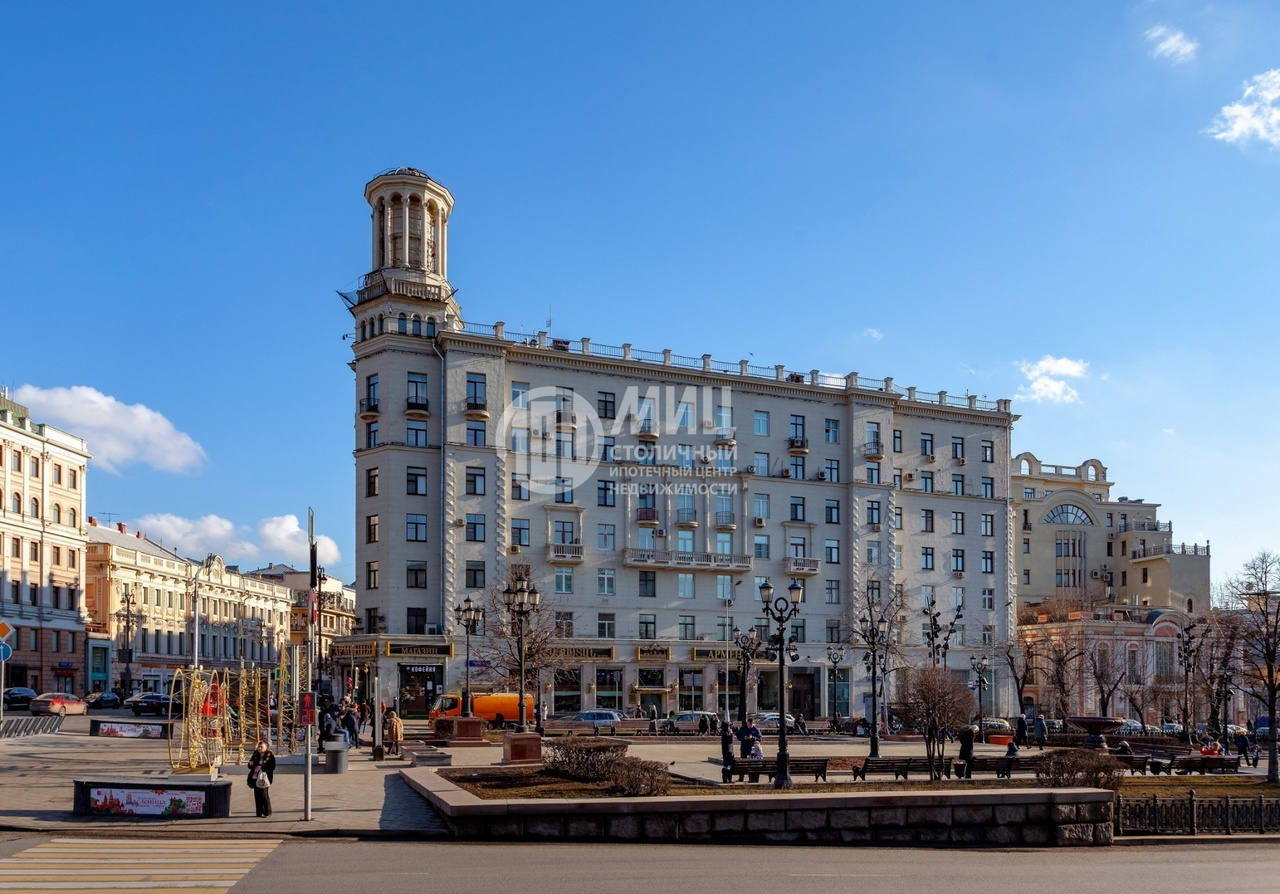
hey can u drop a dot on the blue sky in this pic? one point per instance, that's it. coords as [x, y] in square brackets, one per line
[1071, 204]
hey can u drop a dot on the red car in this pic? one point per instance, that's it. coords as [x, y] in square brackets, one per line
[58, 703]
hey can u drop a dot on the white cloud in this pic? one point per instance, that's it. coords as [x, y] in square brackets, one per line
[1171, 44]
[1168, 431]
[1046, 379]
[873, 333]
[276, 539]
[117, 433]
[1254, 115]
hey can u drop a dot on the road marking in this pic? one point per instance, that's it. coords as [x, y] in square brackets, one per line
[156, 867]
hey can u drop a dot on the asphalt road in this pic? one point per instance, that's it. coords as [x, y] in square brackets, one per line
[307, 867]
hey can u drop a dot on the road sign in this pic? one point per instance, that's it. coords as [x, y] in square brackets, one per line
[5, 629]
[6, 651]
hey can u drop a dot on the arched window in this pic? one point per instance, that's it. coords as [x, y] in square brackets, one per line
[35, 508]
[382, 324]
[71, 517]
[417, 325]
[1067, 514]
[363, 330]
[431, 327]
[17, 503]
[402, 324]
[1092, 474]
[1191, 606]
[57, 514]
[1025, 468]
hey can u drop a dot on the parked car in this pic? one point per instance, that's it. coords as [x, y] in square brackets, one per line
[695, 716]
[1171, 729]
[1131, 728]
[996, 725]
[157, 703]
[103, 700]
[768, 720]
[18, 697]
[602, 718]
[58, 703]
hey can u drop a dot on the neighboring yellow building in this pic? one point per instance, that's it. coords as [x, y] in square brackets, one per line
[335, 616]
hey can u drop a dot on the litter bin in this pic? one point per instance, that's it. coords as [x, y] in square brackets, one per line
[335, 757]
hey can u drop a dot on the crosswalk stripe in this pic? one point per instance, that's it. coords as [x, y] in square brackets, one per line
[155, 867]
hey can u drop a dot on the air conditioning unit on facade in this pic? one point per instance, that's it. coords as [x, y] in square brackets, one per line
[459, 522]
[707, 459]
[785, 473]
[1106, 567]
[911, 476]
[751, 470]
[661, 532]
[958, 575]
[515, 549]
[931, 458]
[960, 461]
[875, 529]
[1095, 574]
[821, 476]
[759, 522]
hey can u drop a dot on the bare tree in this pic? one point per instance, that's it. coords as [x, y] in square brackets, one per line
[1059, 655]
[499, 648]
[1018, 655]
[935, 701]
[1253, 596]
[1105, 667]
[1139, 688]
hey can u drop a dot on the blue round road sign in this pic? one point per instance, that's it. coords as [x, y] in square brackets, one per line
[6, 651]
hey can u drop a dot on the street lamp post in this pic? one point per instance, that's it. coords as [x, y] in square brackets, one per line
[937, 643]
[875, 636]
[979, 666]
[780, 611]
[1224, 676]
[129, 614]
[835, 657]
[749, 645]
[521, 602]
[1189, 644]
[469, 615]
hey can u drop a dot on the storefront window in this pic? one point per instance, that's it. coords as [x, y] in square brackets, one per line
[609, 687]
[419, 686]
[731, 690]
[838, 691]
[767, 691]
[568, 692]
[691, 689]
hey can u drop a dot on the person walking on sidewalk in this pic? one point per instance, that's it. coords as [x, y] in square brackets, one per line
[966, 752]
[262, 772]
[749, 735]
[395, 733]
[352, 725]
[1041, 730]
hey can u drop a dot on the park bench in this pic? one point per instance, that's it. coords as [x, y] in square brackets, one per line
[1205, 763]
[1004, 767]
[1136, 763]
[900, 767]
[570, 728]
[768, 766]
[633, 726]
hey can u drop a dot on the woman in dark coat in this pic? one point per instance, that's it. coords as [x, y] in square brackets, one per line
[262, 762]
[966, 750]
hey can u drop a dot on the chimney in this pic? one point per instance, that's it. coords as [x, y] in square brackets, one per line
[93, 522]
[140, 537]
[121, 528]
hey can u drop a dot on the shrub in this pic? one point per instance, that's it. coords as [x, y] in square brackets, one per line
[444, 728]
[1079, 767]
[634, 777]
[584, 759]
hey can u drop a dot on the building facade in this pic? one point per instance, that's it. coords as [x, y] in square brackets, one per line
[335, 615]
[43, 541]
[648, 496]
[155, 607]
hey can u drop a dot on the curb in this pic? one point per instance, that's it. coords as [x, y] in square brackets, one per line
[1184, 840]
[145, 830]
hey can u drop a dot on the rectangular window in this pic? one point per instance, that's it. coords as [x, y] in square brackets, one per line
[416, 575]
[476, 391]
[897, 440]
[563, 624]
[1028, 493]
[797, 468]
[606, 404]
[797, 508]
[833, 512]
[604, 582]
[760, 505]
[761, 463]
[1026, 545]
[926, 444]
[519, 486]
[873, 473]
[926, 558]
[520, 532]
[648, 583]
[988, 562]
[371, 575]
[606, 625]
[988, 525]
[926, 520]
[415, 481]
[724, 586]
[831, 431]
[564, 532]
[797, 426]
[988, 598]
[957, 523]
[797, 547]
[606, 492]
[564, 445]
[415, 621]
[957, 485]
[520, 395]
[648, 626]
[606, 536]
[760, 424]
[957, 598]
[475, 481]
[564, 490]
[957, 560]
[606, 449]
[371, 529]
[833, 472]
[873, 553]
[988, 451]
[416, 434]
[833, 592]
[1026, 576]
[873, 512]
[475, 434]
[371, 482]
[926, 482]
[684, 585]
[55, 555]
[797, 630]
[761, 546]
[688, 630]
[957, 448]
[832, 552]
[833, 631]
[475, 528]
[564, 580]
[520, 440]
[371, 435]
[57, 474]
[415, 528]
[1110, 520]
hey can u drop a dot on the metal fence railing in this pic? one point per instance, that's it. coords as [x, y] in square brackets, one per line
[1192, 815]
[37, 725]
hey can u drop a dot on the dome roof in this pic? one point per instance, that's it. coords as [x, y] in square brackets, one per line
[403, 171]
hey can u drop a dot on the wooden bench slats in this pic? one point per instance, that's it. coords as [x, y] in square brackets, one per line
[800, 766]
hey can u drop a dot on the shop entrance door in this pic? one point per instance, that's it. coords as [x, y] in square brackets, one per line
[802, 696]
[419, 686]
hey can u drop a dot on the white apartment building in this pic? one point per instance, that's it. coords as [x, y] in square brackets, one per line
[43, 543]
[648, 495]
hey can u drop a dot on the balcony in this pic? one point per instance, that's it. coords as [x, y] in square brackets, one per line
[566, 421]
[1026, 526]
[801, 565]
[477, 408]
[1169, 549]
[874, 450]
[565, 553]
[369, 408]
[725, 438]
[647, 518]
[798, 446]
[671, 558]
[726, 522]
[417, 408]
[687, 519]
[647, 430]
[1156, 526]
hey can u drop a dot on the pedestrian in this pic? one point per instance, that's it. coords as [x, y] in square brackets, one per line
[1020, 731]
[1041, 730]
[1012, 750]
[757, 753]
[726, 752]
[966, 752]
[363, 708]
[262, 772]
[395, 733]
[800, 727]
[331, 730]
[836, 726]
[748, 736]
[352, 725]
[703, 725]
[653, 712]
[713, 723]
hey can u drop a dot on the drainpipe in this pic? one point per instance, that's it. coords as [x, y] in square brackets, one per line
[444, 419]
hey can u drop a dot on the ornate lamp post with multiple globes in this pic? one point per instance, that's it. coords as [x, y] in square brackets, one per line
[521, 602]
[835, 657]
[876, 637]
[780, 611]
[749, 645]
[470, 616]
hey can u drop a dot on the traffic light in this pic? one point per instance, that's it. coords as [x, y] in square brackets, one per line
[308, 707]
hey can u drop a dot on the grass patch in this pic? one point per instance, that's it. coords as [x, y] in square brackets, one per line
[1207, 786]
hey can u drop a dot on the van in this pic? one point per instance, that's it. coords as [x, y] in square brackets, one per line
[499, 708]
